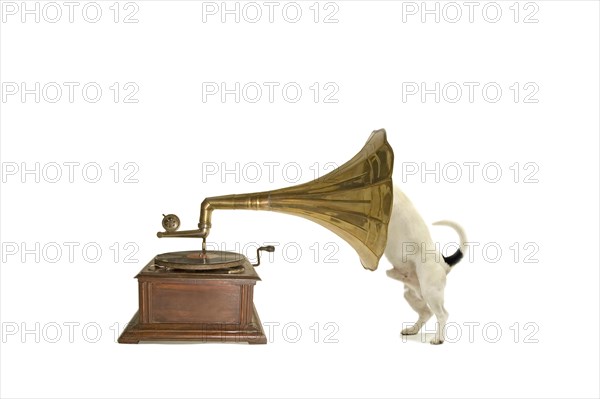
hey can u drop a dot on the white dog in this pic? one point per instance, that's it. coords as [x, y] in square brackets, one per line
[418, 264]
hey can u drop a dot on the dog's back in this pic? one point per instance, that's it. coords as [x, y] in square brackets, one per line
[407, 230]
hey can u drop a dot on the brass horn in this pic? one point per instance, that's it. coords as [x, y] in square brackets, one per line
[354, 201]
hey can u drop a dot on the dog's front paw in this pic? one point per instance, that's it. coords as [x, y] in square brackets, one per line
[410, 330]
[436, 341]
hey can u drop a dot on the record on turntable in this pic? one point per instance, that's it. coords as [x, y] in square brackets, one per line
[201, 261]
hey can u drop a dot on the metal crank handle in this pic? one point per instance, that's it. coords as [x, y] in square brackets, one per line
[268, 248]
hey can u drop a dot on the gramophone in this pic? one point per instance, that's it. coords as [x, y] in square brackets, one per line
[202, 295]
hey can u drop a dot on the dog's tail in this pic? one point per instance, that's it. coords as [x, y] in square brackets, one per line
[462, 249]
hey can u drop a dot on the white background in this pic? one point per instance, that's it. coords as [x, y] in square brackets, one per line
[172, 135]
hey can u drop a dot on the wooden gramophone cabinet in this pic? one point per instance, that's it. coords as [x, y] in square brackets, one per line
[195, 306]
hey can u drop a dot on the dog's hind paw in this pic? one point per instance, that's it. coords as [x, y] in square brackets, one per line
[410, 330]
[436, 341]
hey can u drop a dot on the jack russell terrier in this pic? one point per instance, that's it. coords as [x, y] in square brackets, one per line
[418, 265]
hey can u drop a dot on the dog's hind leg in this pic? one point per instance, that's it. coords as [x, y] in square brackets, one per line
[420, 306]
[432, 290]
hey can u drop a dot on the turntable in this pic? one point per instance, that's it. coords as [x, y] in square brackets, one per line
[203, 295]
[226, 262]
